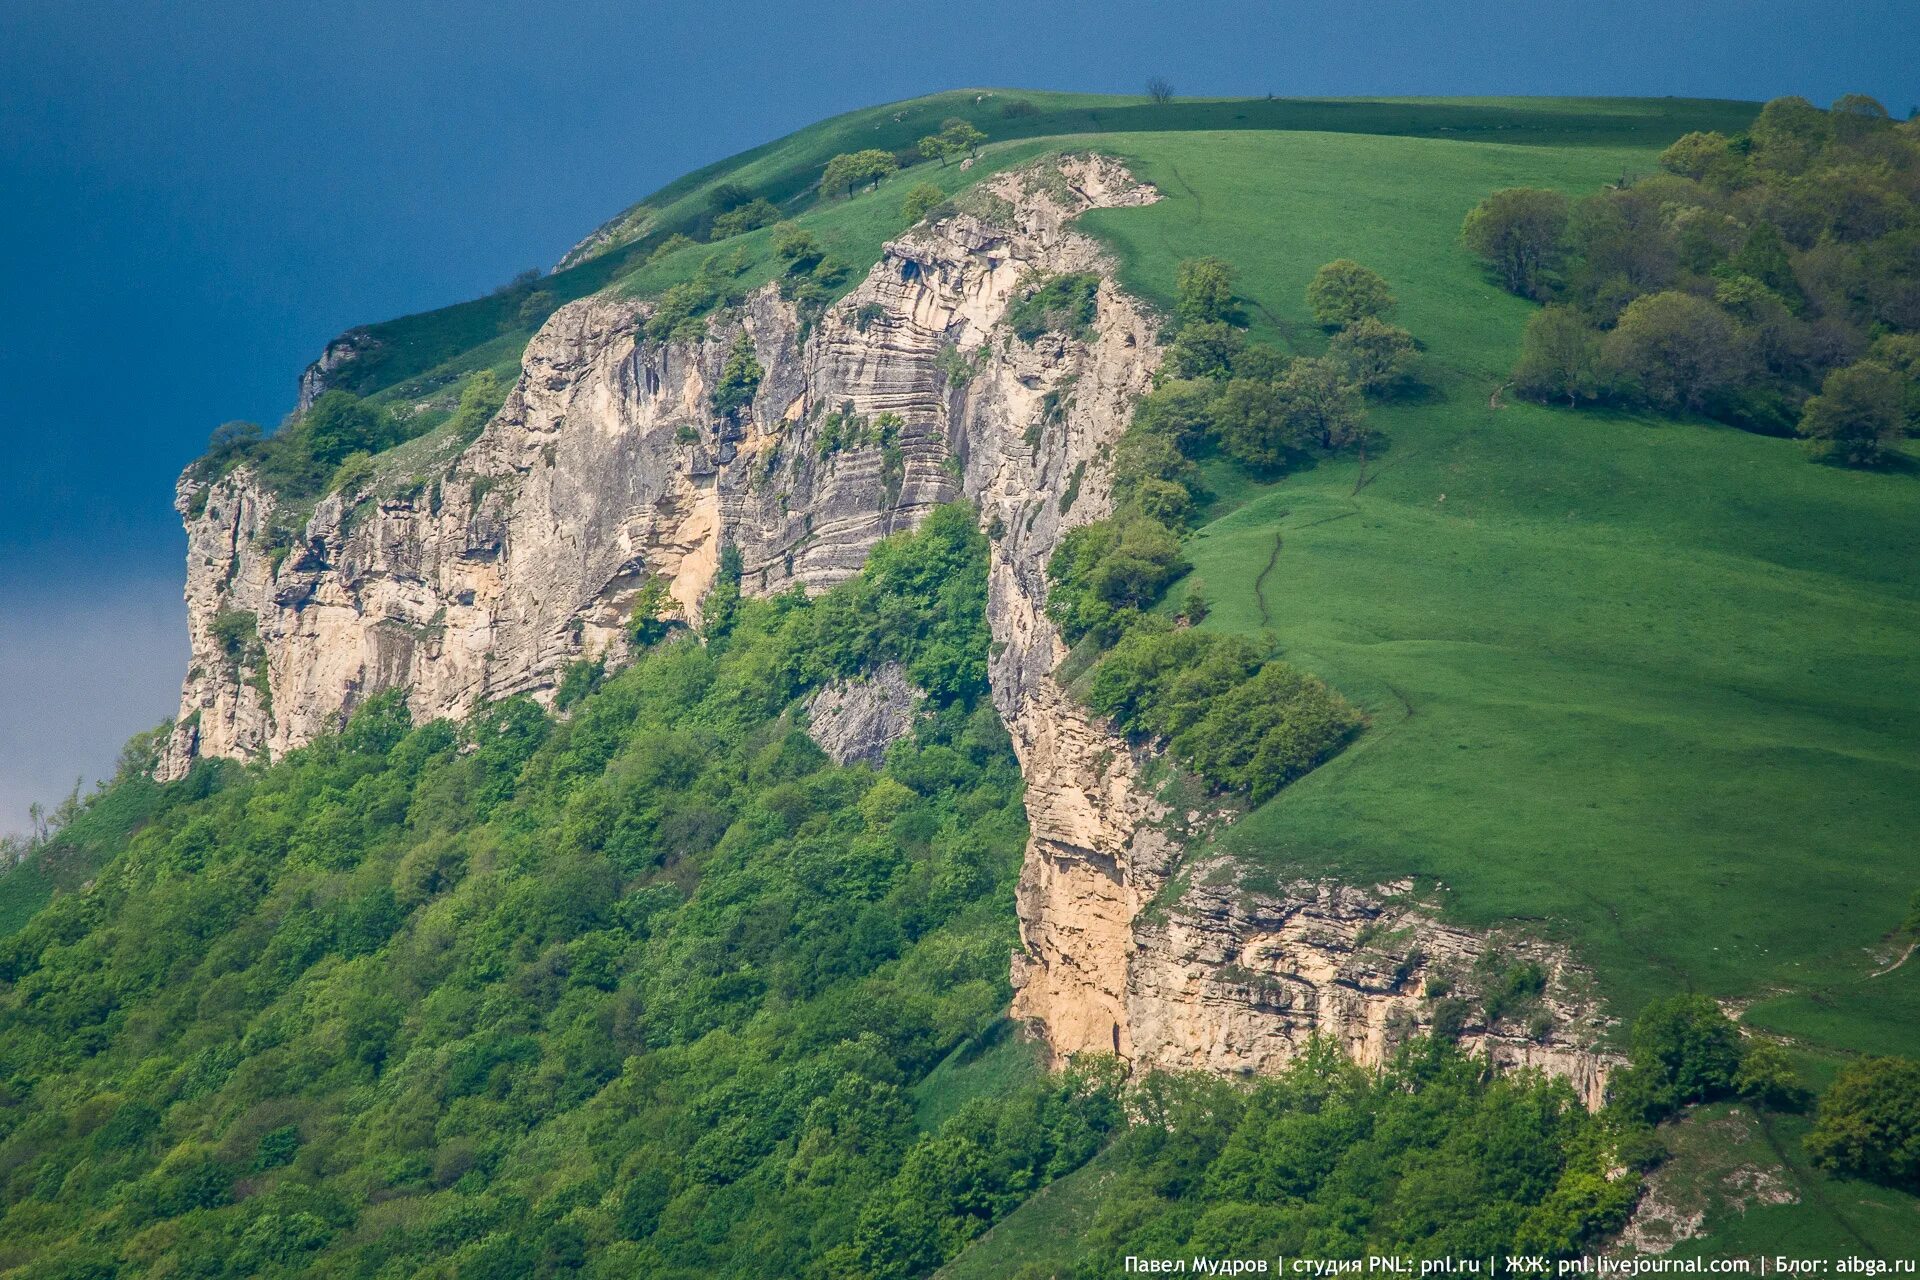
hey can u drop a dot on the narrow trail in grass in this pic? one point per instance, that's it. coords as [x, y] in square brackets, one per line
[1904, 957]
[1260, 583]
[1186, 186]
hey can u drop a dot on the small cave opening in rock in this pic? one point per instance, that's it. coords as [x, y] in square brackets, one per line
[909, 269]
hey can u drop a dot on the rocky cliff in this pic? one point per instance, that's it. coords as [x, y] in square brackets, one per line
[485, 572]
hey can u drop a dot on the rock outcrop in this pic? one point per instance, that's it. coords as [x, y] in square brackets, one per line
[855, 721]
[1232, 978]
[314, 379]
[485, 569]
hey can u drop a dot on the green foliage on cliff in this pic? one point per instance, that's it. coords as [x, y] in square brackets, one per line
[646, 990]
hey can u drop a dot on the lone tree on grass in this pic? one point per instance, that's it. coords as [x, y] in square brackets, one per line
[1344, 292]
[1160, 90]
[1869, 1123]
[856, 168]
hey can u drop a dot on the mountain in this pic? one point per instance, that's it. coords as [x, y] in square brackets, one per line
[635, 715]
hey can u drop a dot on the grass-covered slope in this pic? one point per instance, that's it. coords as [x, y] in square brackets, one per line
[1646, 682]
[418, 357]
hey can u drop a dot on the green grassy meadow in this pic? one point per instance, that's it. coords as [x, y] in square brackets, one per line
[1645, 683]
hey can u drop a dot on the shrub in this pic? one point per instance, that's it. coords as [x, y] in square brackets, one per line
[339, 423]
[354, 472]
[796, 246]
[1868, 1123]
[1261, 735]
[655, 614]
[1203, 291]
[739, 379]
[756, 213]
[920, 201]
[1250, 421]
[1317, 403]
[1559, 358]
[672, 244]
[1373, 355]
[1058, 304]
[1684, 1051]
[1675, 350]
[480, 399]
[1343, 291]
[1108, 567]
[1766, 1078]
[1205, 349]
[236, 632]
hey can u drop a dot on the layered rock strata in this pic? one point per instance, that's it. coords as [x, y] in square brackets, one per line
[485, 571]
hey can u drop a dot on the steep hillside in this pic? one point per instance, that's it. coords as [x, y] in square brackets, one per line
[1614, 708]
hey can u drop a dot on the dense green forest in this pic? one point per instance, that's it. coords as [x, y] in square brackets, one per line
[651, 984]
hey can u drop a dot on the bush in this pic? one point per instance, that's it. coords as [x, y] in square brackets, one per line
[1675, 350]
[921, 201]
[1858, 416]
[1684, 1051]
[1319, 405]
[1868, 1124]
[1203, 291]
[1108, 568]
[751, 216]
[1251, 422]
[739, 379]
[1559, 358]
[339, 423]
[1343, 292]
[1261, 735]
[1205, 349]
[1767, 1079]
[1058, 304]
[1373, 355]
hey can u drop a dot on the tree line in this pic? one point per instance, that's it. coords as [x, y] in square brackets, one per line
[1770, 280]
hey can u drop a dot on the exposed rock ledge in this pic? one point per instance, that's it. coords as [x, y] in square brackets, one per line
[857, 720]
[487, 576]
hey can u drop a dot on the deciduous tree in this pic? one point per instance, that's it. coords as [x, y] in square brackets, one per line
[1343, 291]
[1518, 232]
[1858, 415]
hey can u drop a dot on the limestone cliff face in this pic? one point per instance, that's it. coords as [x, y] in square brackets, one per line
[485, 570]
[1231, 978]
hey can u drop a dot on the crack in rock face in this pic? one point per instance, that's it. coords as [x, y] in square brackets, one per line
[484, 571]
